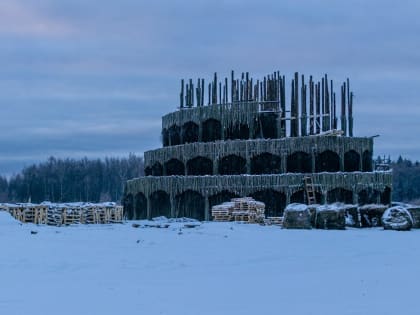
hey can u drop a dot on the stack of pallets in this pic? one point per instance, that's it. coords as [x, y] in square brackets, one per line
[223, 212]
[244, 209]
[65, 214]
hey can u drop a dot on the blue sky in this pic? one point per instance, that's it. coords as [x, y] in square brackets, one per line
[92, 78]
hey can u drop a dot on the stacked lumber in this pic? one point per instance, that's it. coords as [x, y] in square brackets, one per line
[274, 221]
[244, 209]
[66, 213]
[223, 212]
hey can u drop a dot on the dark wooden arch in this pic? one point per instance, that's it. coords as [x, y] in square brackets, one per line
[212, 130]
[140, 206]
[340, 195]
[190, 204]
[189, 132]
[386, 196]
[327, 161]
[266, 163]
[147, 171]
[367, 161]
[275, 201]
[232, 165]
[160, 204]
[174, 167]
[368, 196]
[128, 204]
[351, 161]
[237, 131]
[157, 169]
[165, 137]
[200, 166]
[299, 162]
[174, 135]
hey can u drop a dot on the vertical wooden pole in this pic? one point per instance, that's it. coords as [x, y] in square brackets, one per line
[311, 106]
[343, 110]
[181, 96]
[303, 123]
[351, 115]
[318, 108]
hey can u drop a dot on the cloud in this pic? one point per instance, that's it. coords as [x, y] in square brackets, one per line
[20, 18]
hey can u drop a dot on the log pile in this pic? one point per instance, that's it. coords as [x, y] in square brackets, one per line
[66, 214]
[244, 209]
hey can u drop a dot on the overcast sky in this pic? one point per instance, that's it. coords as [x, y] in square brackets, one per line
[92, 78]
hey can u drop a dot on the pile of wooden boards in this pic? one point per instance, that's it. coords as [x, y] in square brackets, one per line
[244, 209]
[65, 213]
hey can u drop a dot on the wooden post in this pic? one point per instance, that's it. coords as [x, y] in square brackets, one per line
[303, 124]
[283, 106]
[311, 106]
[181, 96]
[296, 114]
[351, 115]
[318, 108]
[343, 110]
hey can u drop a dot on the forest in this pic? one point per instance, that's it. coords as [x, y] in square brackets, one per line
[98, 180]
[68, 180]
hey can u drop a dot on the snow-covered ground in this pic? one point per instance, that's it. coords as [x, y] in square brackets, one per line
[216, 268]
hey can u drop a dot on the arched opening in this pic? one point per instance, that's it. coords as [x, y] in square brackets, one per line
[200, 166]
[189, 132]
[157, 169]
[140, 207]
[128, 207]
[237, 131]
[232, 165]
[299, 162]
[212, 130]
[266, 163]
[160, 204]
[300, 197]
[267, 126]
[367, 161]
[148, 171]
[275, 201]
[174, 167]
[340, 195]
[386, 196]
[221, 197]
[165, 137]
[327, 161]
[351, 161]
[368, 196]
[190, 204]
[174, 135]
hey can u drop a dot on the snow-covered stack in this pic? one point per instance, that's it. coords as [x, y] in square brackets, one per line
[297, 216]
[331, 217]
[415, 214]
[239, 209]
[397, 218]
[370, 215]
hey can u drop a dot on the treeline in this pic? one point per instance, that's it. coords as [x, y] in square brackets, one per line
[67, 180]
[406, 181]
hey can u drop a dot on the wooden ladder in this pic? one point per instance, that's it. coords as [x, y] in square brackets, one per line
[310, 190]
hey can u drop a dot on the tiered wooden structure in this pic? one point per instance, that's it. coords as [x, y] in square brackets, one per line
[246, 141]
[65, 214]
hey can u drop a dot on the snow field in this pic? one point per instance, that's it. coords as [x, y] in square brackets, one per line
[216, 268]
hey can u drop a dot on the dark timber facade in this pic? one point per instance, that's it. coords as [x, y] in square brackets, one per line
[251, 145]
